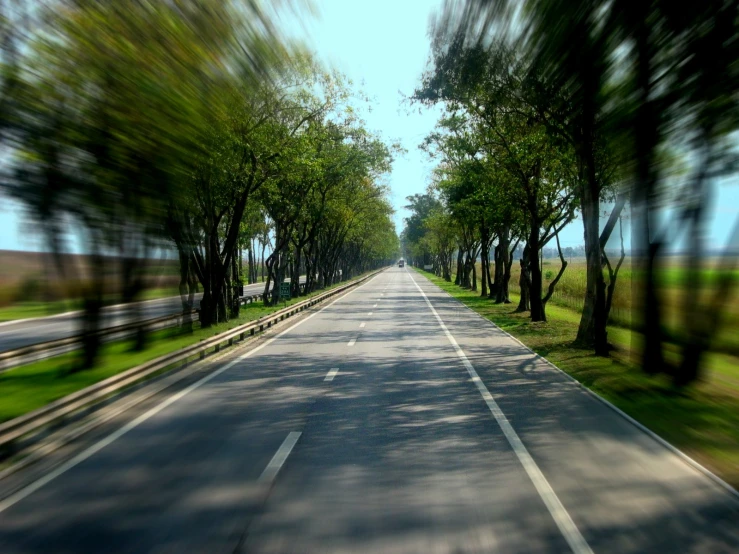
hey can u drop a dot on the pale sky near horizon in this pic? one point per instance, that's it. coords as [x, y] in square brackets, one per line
[383, 46]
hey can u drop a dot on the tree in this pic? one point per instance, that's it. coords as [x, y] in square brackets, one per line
[111, 103]
[539, 169]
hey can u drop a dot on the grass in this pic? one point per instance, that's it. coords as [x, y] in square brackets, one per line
[29, 387]
[570, 293]
[702, 420]
[25, 310]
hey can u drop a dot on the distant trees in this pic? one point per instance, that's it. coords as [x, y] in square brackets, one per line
[506, 171]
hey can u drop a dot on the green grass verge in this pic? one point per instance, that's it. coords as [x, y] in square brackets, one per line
[29, 387]
[26, 310]
[702, 420]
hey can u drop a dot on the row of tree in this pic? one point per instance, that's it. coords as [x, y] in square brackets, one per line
[557, 108]
[193, 126]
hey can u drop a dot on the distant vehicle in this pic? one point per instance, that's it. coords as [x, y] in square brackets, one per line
[401, 263]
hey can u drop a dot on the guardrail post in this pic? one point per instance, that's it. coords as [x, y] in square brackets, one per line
[241, 336]
[217, 348]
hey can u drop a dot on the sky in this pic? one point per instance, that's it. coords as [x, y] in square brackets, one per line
[383, 46]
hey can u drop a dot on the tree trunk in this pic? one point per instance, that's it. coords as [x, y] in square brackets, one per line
[524, 303]
[535, 286]
[503, 293]
[646, 138]
[460, 267]
[295, 275]
[501, 257]
[484, 260]
[91, 316]
[592, 331]
[238, 281]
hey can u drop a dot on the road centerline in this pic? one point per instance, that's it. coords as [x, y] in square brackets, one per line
[278, 460]
[90, 451]
[331, 374]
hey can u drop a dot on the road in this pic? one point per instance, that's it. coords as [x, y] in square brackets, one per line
[16, 334]
[393, 420]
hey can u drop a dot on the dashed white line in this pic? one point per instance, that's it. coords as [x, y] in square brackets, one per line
[351, 342]
[559, 513]
[331, 374]
[361, 325]
[374, 306]
[278, 460]
[370, 313]
[114, 436]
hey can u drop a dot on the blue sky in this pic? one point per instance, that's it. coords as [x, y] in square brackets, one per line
[383, 46]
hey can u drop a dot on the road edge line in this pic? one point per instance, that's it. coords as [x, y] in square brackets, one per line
[559, 513]
[734, 493]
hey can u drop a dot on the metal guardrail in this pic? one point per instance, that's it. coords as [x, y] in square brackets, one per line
[58, 411]
[33, 352]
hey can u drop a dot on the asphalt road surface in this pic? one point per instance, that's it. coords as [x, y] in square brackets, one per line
[16, 334]
[393, 420]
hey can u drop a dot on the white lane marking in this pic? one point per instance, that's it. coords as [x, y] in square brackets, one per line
[370, 313]
[278, 460]
[98, 446]
[331, 374]
[351, 342]
[374, 306]
[361, 325]
[560, 515]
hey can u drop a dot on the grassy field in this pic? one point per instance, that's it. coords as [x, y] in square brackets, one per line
[32, 386]
[702, 420]
[570, 293]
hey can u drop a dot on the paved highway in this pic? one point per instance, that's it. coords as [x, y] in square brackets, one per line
[16, 334]
[393, 420]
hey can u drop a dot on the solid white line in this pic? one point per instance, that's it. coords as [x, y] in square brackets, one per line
[361, 325]
[98, 446]
[351, 342]
[595, 396]
[331, 374]
[278, 460]
[560, 515]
